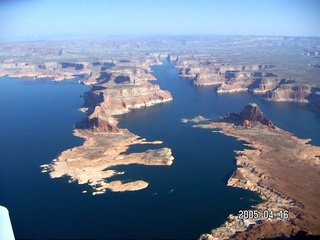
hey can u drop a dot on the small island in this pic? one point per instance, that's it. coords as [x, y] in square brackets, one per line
[282, 168]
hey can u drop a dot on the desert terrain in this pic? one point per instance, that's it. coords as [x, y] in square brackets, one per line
[283, 169]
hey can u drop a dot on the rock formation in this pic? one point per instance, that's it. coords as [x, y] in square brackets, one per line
[118, 84]
[281, 81]
[124, 98]
[102, 103]
[271, 168]
[115, 90]
[267, 84]
[99, 120]
[283, 169]
[290, 92]
[236, 78]
[250, 116]
[228, 78]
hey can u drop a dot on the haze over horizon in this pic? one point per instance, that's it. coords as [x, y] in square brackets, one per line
[37, 19]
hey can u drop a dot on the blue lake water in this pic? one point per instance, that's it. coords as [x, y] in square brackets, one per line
[36, 123]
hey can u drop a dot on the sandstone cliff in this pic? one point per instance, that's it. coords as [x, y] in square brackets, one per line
[119, 74]
[102, 103]
[99, 120]
[267, 84]
[228, 78]
[117, 88]
[290, 92]
[274, 82]
[105, 143]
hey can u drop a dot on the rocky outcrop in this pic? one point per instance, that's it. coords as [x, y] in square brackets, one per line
[250, 116]
[101, 103]
[105, 143]
[267, 84]
[290, 92]
[272, 167]
[206, 78]
[228, 78]
[121, 71]
[253, 78]
[118, 85]
[100, 120]
[123, 98]
[274, 82]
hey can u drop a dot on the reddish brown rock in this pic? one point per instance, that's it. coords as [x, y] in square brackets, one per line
[101, 103]
[99, 120]
[123, 98]
[252, 114]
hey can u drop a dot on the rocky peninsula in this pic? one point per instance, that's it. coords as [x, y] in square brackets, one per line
[282, 168]
[115, 91]
[105, 143]
[119, 82]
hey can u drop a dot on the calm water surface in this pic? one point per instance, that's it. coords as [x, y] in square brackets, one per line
[36, 122]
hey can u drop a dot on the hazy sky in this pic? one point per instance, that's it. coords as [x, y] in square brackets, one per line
[34, 18]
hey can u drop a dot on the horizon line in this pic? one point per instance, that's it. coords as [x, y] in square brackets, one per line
[99, 36]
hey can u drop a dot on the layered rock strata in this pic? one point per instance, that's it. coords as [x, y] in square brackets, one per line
[121, 98]
[283, 169]
[261, 79]
[290, 92]
[115, 90]
[119, 84]
[228, 78]
[105, 143]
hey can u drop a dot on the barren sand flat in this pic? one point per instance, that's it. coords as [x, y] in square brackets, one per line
[284, 170]
[91, 162]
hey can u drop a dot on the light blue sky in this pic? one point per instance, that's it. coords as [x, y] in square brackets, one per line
[36, 18]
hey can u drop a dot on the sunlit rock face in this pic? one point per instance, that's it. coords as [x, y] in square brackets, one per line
[290, 92]
[252, 114]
